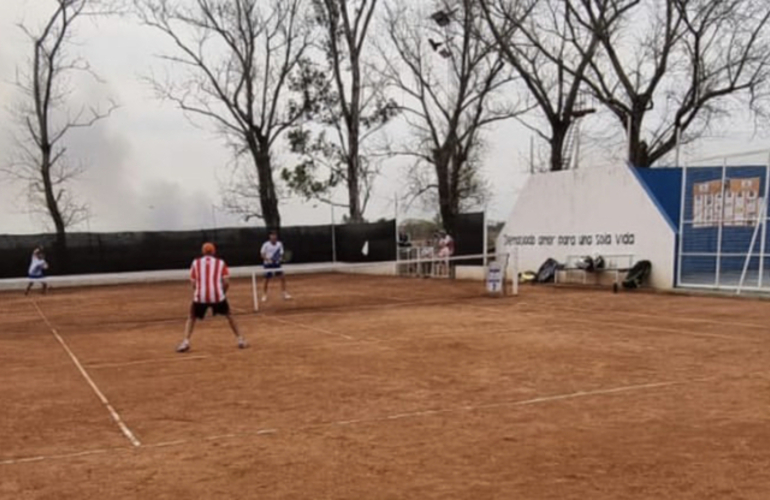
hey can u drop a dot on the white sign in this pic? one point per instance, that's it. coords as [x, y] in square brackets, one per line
[605, 211]
[494, 277]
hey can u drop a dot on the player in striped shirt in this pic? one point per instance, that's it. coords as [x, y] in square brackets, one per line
[210, 280]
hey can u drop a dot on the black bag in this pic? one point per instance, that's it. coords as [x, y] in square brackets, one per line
[586, 264]
[547, 272]
[638, 274]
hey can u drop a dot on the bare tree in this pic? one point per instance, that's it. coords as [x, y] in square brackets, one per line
[240, 193]
[453, 86]
[46, 115]
[551, 51]
[678, 65]
[352, 108]
[242, 66]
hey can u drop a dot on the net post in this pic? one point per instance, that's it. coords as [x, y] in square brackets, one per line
[761, 215]
[515, 274]
[680, 242]
[720, 228]
[395, 222]
[485, 246]
[763, 221]
[334, 233]
[255, 290]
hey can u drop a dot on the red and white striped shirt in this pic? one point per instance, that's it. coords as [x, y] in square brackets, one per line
[208, 273]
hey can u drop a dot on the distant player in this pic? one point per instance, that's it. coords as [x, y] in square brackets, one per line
[37, 268]
[210, 280]
[272, 257]
[446, 248]
[446, 245]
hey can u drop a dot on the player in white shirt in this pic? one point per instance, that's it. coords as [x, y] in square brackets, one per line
[272, 257]
[446, 245]
[446, 248]
[37, 268]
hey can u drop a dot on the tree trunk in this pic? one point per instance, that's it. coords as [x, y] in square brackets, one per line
[449, 208]
[447, 198]
[268, 198]
[558, 138]
[354, 128]
[638, 154]
[354, 172]
[60, 243]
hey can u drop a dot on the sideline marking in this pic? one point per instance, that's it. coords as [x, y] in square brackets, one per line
[97, 366]
[123, 427]
[620, 325]
[41, 458]
[673, 317]
[305, 346]
[526, 402]
[372, 341]
[384, 418]
[311, 328]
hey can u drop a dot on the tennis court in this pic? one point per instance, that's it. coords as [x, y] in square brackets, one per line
[371, 387]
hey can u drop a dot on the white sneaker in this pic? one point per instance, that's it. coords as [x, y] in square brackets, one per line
[264, 298]
[242, 343]
[184, 346]
[286, 296]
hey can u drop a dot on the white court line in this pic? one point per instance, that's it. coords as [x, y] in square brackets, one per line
[675, 331]
[306, 346]
[97, 366]
[384, 418]
[123, 427]
[372, 341]
[14, 461]
[672, 316]
[526, 402]
[622, 325]
[339, 310]
[311, 328]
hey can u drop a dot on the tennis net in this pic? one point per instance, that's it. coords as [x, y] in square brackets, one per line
[431, 279]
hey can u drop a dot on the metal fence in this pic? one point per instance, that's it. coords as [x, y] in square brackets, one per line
[723, 228]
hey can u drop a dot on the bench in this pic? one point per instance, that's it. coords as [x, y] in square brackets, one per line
[614, 265]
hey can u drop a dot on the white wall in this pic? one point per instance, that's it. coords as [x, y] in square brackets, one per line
[603, 210]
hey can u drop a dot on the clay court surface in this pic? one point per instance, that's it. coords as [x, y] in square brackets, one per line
[385, 388]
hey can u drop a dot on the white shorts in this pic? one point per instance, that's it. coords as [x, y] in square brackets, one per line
[444, 253]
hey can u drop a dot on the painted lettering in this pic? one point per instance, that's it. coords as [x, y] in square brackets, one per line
[604, 239]
[545, 240]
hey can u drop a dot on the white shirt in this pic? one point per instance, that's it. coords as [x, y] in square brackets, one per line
[37, 266]
[272, 252]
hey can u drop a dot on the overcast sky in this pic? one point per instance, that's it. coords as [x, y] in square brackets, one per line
[149, 168]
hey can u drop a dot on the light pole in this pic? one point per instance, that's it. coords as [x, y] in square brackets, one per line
[333, 204]
[577, 115]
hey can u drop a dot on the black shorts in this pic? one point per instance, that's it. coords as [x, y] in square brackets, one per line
[198, 309]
